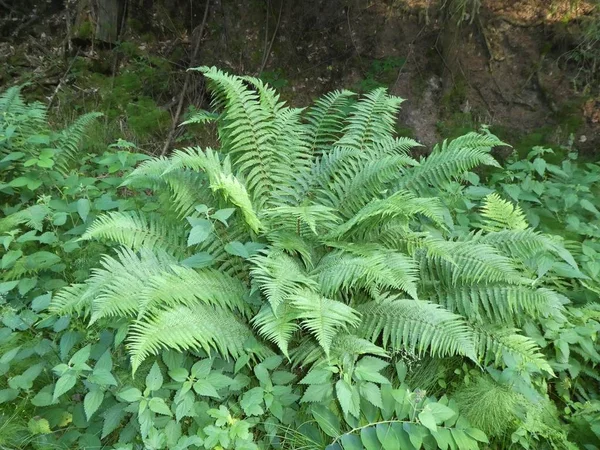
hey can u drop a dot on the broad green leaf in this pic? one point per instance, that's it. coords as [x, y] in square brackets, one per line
[83, 208]
[64, 384]
[199, 232]
[92, 402]
[130, 395]
[327, 420]
[387, 437]
[252, 402]
[369, 439]
[154, 379]
[159, 406]
[427, 419]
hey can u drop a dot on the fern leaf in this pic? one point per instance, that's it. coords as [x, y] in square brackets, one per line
[416, 326]
[198, 327]
[471, 263]
[279, 276]
[450, 161]
[402, 204]
[323, 317]
[277, 327]
[506, 345]
[326, 120]
[498, 214]
[372, 119]
[500, 303]
[70, 138]
[137, 230]
[186, 286]
[373, 268]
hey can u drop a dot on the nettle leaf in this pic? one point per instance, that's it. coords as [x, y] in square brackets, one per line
[252, 402]
[349, 397]
[92, 401]
[130, 395]
[64, 384]
[158, 405]
[154, 379]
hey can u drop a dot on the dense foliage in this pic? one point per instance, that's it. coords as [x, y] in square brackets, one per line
[308, 284]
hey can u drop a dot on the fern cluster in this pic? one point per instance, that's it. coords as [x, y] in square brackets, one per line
[337, 232]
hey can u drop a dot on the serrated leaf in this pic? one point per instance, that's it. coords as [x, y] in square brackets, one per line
[130, 395]
[158, 405]
[154, 379]
[92, 402]
[371, 393]
[317, 393]
[83, 208]
[64, 384]
[204, 388]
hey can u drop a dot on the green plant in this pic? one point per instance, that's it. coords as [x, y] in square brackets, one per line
[320, 239]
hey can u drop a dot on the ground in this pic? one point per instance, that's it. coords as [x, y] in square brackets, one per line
[506, 64]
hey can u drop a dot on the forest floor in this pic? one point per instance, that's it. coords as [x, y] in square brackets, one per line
[514, 65]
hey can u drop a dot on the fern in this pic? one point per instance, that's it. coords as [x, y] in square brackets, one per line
[323, 317]
[335, 226]
[136, 231]
[199, 327]
[417, 326]
[500, 215]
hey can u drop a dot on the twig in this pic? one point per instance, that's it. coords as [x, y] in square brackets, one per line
[268, 50]
[186, 82]
[62, 80]
[362, 67]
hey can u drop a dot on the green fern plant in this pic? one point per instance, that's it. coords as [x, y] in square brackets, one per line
[317, 229]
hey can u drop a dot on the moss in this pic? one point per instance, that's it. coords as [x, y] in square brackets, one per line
[456, 124]
[145, 118]
[453, 100]
[84, 31]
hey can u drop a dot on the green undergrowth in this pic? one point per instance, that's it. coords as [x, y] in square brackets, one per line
[304, 279]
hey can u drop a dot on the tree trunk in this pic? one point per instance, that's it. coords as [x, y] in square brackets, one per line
[107, 20]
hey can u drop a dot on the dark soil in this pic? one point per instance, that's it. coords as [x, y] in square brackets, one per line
[505, 68]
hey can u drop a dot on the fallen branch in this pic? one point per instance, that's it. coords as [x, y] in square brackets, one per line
[269, 48]
[62, 80]
[186, 82]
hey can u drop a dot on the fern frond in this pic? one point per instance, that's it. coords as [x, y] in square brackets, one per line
[402, 205]
[185, 286]
[505, 345]
[318, 219]
[471, 262]
[450, 161]
[187, 188]
[70, 138]
[279, 327]
[73, 299]
[416, 326]
[525, 244]
[326, 120]
[246, 131]
[292, 160]
[279, 276]
[500, 303]
[499, 214]
[221, 179]
[32, 216]
[395, 146]
[137, 230]
[198, 327]
[323, 317]
[369, 267]
[362, 179]
[372, 119]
